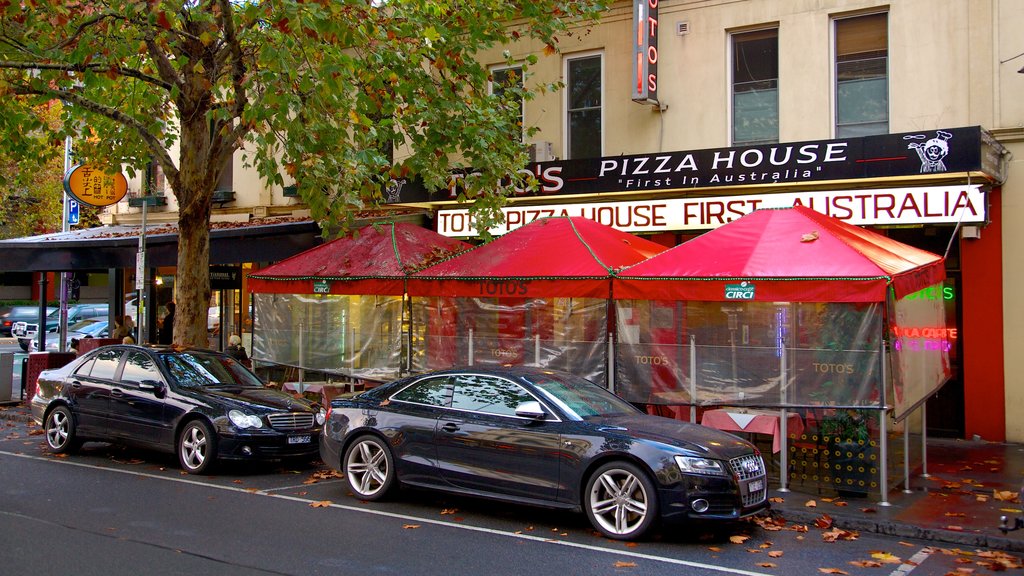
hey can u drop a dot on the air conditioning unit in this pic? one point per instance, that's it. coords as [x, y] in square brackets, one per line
[541, 152]
[972, 232]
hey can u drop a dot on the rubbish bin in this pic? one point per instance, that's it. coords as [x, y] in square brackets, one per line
[6, 376]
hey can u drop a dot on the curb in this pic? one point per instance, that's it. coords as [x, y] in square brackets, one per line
[903, 530]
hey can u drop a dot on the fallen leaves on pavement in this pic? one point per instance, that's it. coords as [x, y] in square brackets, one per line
[320, 504]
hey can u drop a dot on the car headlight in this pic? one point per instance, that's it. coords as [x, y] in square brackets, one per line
[703, 466]
[321, 417]
[242, 420]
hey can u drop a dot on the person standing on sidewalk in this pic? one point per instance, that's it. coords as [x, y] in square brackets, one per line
[167, 327]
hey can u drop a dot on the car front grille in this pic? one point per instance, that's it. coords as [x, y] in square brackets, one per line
[748, 468]
[291, 421]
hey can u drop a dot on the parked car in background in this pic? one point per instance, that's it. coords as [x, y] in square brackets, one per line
[81, 330]
[19, 314]
[25, 332]
[536, 436]
[200, 404]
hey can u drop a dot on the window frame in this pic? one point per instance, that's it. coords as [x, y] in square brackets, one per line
[837, 128]
[566, 123]
[501, 68]
[732, 37]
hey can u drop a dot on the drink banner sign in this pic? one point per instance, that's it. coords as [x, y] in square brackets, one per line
[741, 291]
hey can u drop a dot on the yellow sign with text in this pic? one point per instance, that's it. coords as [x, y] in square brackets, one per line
[94, 186]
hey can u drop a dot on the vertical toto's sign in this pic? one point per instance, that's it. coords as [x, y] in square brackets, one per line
[645, 51]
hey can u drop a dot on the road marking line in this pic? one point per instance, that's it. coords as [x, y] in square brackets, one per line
[317, 483]
[404, 517]
[914, 562]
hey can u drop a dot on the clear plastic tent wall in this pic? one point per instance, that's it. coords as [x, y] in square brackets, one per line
[767, 354]
[350, 335]
[569, 334]
[920, 348]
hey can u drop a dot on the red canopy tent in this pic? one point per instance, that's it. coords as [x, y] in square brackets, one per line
[550, 257]
[792, 254]
[537, 295]
[339, 308]
[784, 308]
[374, 260]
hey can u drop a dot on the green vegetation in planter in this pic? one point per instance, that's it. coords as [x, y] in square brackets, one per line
[850, 425]
[851, 454]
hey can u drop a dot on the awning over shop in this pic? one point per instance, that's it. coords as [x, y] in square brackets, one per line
[550, 257]
[373, 260]
[791, 254]
[117, 246]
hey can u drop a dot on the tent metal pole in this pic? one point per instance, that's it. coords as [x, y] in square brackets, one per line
[693, 379]
[924, 441]
[906, 456]
[783, 417]
[611, 362]
[883, 431]
[302, 359]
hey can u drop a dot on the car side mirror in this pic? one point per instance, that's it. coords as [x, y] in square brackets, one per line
[531, 410]
[154, 386]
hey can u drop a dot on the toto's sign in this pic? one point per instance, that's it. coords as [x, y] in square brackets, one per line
[645, 51]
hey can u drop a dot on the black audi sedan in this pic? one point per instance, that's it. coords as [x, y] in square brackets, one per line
[540, 437]
[202, 405]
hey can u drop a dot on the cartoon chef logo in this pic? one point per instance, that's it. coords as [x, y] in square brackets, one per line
[393, 191]
[932, 152]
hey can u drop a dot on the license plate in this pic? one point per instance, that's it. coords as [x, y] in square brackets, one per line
[304, 439]
[755, 485]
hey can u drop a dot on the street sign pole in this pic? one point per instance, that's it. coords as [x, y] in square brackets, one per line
[65, 277]
[140, 278]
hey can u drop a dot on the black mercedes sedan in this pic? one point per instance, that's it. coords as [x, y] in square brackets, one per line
[202, 405]
[540, 437]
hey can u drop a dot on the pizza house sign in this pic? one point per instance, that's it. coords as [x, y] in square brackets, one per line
[951, 151]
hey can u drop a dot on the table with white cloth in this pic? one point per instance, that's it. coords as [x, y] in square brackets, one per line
[755, 422]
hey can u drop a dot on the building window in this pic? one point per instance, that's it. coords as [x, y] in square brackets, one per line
[862, 75]
[583, 106]
[755, 87]
[507, 83]
[227, 175]
[154, 184]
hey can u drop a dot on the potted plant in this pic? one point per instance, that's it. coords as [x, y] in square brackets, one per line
[849, 450]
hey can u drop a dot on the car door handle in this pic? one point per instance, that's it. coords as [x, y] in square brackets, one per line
[76, 384]
[450, 427]
[117, 393]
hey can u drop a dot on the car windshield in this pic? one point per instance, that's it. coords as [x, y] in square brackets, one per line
[197, 369]
[580, 397]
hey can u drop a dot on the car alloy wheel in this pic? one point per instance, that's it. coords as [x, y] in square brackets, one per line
[620, 501]
[60, 431]
[369, 468]
[197, 447]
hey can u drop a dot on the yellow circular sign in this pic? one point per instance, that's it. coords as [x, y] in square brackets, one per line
[93, 186]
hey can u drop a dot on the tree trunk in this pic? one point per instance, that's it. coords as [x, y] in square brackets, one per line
[194, 193]
[192, 281]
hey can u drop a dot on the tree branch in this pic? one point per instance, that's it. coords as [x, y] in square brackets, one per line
[98, 67]
[152, 142]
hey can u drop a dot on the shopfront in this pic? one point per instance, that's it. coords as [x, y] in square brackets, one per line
[938, 190]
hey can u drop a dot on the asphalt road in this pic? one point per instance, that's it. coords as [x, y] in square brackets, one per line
[110, 511]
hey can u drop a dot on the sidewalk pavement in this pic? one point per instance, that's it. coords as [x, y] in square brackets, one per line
[970, 484]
